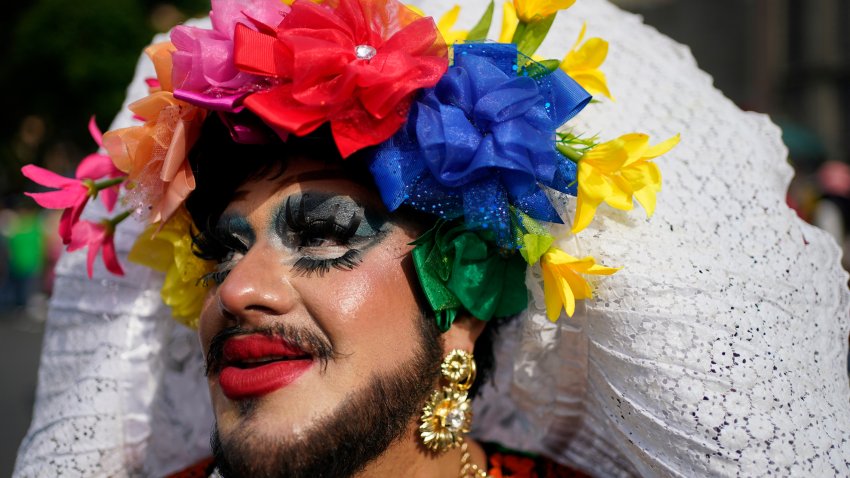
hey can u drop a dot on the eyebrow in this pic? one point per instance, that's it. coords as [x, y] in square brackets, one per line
[306, 205]
[317, 204]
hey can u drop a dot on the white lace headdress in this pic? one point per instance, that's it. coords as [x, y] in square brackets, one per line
[720, 350]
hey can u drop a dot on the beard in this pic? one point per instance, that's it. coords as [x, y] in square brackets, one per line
[344, 442]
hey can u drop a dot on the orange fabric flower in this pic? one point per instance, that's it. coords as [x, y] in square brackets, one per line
[154, 155]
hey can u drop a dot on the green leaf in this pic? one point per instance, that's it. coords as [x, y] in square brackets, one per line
[529, 36]
[480, 30]
[551, 65]
[534, 246]
[535, 69]
[570, 153]
[519, 32]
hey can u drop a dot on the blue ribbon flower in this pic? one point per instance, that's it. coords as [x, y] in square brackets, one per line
[481, 140]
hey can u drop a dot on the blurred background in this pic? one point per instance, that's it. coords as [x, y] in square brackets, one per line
[61, 62]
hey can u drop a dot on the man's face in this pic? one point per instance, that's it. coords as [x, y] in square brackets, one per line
[313, 331]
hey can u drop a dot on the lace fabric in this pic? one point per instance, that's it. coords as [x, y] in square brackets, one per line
[719, 350]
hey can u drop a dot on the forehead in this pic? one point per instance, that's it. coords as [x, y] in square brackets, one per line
[300, 175]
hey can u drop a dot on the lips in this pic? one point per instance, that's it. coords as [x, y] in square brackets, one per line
[256, 365]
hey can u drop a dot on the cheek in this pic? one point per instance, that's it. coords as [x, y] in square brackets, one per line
[373, 302]
[378, 289]
[354, 297]
[209, 322]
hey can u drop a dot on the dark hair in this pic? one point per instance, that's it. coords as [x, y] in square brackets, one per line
[221, 166]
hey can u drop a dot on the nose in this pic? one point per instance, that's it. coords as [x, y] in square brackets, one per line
[257, 288]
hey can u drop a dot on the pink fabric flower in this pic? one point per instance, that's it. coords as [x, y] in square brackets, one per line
[203, 69]
[97, 166]
[73, 193]
[72, 196]
[96, 237]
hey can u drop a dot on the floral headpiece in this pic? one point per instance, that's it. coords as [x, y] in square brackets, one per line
[473, 132]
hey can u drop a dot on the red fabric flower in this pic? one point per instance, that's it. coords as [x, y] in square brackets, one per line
[96, 237]
[74, 193]
[354, 63]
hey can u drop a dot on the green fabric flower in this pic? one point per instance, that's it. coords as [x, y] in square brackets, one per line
[460, 269]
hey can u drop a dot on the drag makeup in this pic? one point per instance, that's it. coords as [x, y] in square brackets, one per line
[329, 231]
[311, 336]
[322, 231]
[226, 244]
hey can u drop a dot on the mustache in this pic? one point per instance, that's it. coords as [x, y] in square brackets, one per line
[318, 346]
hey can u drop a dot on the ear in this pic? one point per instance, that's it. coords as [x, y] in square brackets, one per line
[463, 333]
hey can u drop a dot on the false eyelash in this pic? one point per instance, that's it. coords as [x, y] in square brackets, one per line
[212, 245]
[217, 277]
[207, 247]
[308, 266]
[222, 269]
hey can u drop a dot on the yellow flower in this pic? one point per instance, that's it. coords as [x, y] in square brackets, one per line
[445, 24]
[509, 23]
[532, 10]
[169, 250]
[582, 64]
[618, 172]
[563, 283]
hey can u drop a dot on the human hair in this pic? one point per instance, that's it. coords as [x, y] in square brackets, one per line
[221, 165]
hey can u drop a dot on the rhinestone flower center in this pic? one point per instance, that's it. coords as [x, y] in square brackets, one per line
[455, 420]
[365, 52]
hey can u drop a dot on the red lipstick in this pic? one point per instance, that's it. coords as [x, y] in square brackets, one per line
[256, 365]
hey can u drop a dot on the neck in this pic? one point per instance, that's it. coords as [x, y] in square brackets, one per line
[408, 457]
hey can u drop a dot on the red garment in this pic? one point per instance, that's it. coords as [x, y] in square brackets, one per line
[201, 469]
[510, 465]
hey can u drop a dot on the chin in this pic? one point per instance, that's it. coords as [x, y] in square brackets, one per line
[286, 412]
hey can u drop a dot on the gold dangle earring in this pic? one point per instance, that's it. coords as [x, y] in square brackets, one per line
[447, 415]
